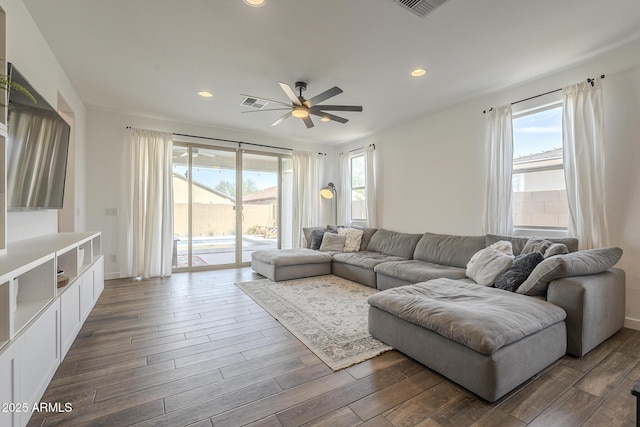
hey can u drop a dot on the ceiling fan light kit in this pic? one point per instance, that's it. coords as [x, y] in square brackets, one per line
[302, 108]
[254, 3]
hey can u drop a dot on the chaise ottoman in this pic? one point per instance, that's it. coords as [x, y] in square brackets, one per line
[487, 340]
[287, 264]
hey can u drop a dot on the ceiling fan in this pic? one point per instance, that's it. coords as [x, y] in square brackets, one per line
[302, 108]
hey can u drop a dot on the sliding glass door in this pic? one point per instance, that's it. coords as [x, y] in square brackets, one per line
[227, 204]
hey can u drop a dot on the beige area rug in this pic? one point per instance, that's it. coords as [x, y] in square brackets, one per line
[327, 313]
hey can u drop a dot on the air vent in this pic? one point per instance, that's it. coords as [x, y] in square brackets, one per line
[254, 103]
[419, 8]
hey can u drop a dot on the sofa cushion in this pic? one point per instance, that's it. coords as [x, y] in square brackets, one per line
[518, 243]
[281, 257]
[483, 319]
[332, 242]
[521, 268]
[415, 271]
[581, 263]
[367, 234]
[447, 249]
[365, 259]
[487, 264]
[393, 243]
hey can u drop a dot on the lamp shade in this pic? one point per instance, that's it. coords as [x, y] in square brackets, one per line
[329, 191]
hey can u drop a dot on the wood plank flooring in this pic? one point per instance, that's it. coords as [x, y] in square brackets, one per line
[194, 350]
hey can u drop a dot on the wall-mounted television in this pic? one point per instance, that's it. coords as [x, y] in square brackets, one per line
[37, 148]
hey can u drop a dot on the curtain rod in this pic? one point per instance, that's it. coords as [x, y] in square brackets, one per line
[228, 140]
[589, 80]
[356, 149]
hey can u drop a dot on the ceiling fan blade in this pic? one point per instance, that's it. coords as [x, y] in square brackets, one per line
[290, 93]
[281, 119]
[308, 122]
[337, 108]
[266, 109]
[265, 99]
[321, 97]
[329, 116]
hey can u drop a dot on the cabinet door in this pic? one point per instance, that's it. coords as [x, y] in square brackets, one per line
[8, 386]
[39, 356]
[86, 292]
[98, 278]
[70, 320]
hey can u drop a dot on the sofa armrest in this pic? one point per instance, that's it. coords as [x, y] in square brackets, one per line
[595, 306]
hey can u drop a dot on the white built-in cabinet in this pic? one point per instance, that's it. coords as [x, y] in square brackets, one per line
[40, 315]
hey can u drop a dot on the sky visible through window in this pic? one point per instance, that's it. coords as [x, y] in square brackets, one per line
[535, 133]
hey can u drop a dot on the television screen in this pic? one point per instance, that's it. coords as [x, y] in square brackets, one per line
[37, 146]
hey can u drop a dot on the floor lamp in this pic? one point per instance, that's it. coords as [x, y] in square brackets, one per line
[329, 192]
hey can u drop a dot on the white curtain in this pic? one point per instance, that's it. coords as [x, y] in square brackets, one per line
[372, 198]
[307, 169]
[344, 190]
[498, 216]
[583, 149]
[148, 205]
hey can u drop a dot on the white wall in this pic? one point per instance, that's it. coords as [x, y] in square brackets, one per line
[27, 49]
[432, 171]
[106, 137]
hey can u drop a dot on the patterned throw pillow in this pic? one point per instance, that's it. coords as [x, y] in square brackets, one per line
[353, 238]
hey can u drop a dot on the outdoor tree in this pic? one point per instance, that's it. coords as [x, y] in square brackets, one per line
[229, 188]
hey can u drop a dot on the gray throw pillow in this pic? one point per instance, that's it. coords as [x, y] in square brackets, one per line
[332, 242]
[316, 239]
[521, 268]
[556, 249]
[581, 263]
[308, 234]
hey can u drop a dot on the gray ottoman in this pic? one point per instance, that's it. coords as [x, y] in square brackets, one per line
[287, 264]
[485, 339]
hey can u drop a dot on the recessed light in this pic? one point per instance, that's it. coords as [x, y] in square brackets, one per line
[418, 72]
[254, 3]
[205, 94]
[325, 119]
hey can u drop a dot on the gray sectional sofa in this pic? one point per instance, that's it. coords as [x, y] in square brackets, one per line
[430, 310]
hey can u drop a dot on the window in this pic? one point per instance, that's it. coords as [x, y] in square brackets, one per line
[539, 192]
[358, 187]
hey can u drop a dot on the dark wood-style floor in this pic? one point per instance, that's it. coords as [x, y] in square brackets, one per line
[194, 350]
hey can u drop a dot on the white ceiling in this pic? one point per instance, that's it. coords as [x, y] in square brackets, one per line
[150, 57]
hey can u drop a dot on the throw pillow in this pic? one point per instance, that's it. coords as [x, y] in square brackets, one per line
[332, 242]
[544, 246]
[501, 246]
[488, 265]
[521, 268]
[316, 239]
[581, 263]
[556, 249]
[353, 239]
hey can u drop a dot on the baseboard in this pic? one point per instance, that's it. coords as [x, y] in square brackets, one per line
[111, 276]
[632, 323]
